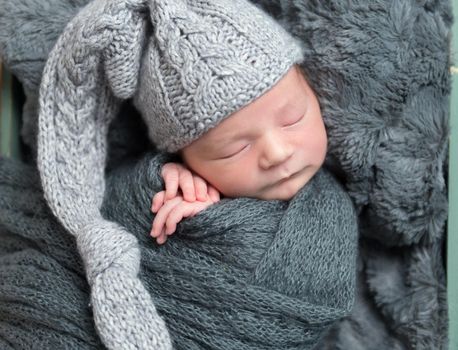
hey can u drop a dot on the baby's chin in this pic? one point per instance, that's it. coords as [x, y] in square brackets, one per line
[283, 192]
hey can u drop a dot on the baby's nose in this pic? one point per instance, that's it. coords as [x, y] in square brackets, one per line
[275, 150]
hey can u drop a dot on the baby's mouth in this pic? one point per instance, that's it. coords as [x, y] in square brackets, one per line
[290, 177]
[284, 179]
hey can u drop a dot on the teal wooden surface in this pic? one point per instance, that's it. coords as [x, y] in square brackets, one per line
[452, 230]
[9, 116]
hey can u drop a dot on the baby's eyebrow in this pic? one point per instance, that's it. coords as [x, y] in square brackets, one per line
[283, 108]
[225, 141]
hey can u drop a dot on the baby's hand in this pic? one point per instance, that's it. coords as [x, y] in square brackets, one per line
[176, 176]
[174, 210]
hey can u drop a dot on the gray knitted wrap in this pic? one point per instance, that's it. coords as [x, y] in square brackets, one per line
[244, 274]
[93, 66]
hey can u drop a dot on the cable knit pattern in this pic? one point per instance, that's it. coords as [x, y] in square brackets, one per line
[76, 107]
[190, 79]
[381, 71]
[205, 61]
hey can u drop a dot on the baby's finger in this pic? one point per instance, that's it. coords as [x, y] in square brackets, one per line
[201, 188]
[213, 193]
[170, 173]
[158, 200]
[176, 215]
[187, 185]
[162, 214]
[162, 238]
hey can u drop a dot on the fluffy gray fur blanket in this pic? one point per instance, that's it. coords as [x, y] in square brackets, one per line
[381, 71]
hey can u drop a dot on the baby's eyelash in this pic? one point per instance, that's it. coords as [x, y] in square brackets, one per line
[295, 122]
[235, 153]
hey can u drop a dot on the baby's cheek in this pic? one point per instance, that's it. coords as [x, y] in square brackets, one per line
[237, 183]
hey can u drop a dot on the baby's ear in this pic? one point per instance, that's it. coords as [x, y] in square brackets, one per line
[122, 57]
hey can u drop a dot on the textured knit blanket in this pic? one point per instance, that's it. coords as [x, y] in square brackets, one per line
[381, 71]
[243, 274]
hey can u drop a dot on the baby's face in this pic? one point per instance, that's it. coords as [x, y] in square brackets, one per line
[269, 149]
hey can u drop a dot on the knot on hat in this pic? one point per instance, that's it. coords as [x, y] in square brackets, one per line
[105, 245]
[124, 313]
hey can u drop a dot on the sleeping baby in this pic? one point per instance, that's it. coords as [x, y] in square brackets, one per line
[269, 149]
[218, 83]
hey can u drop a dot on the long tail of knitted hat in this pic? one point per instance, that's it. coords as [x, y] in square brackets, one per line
[76, 106]
[94, 65]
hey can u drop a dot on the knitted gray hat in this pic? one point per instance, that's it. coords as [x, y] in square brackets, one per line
[206, 60]
[188, 65]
